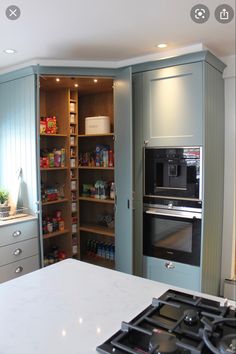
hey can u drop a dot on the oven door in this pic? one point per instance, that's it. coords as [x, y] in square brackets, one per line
[172, 234]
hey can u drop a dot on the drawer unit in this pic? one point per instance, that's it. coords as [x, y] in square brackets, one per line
[18, 232]
[18, 251]
[16, 269]
[173, 273]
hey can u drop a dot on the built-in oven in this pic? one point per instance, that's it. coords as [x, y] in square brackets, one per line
[173, 172]
[172, 233]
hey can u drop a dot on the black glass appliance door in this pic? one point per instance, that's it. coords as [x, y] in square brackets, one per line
[172, 238]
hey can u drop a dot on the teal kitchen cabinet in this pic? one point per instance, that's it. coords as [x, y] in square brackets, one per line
[24, 104]
[180, 102]
[174, 273]
[172, 106]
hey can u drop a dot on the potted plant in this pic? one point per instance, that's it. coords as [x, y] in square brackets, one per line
[4, 208]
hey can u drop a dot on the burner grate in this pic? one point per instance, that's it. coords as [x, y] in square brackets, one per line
[191, 322]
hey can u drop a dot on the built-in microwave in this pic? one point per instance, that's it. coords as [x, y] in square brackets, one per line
[173, 173]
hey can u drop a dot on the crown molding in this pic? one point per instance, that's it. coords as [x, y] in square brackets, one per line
[106, 64]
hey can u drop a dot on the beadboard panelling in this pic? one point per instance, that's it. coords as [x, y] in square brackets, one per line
[213, 180]
[18, 137]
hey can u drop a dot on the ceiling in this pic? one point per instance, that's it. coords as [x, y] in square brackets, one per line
[108, 30]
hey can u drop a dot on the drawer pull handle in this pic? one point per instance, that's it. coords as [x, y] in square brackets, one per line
[17, 252]
[169, 265]
[19, 270]
[16, 233]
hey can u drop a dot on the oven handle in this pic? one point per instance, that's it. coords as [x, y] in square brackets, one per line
[181, 214]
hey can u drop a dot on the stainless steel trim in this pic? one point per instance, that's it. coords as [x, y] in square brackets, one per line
[181, 208]
[169, 265]
[143, 170]
[17, 252]
[173, 147]
[174, 213]
[171, 188]
[170, 197]
[16, 233]
[19, 270]
[201, 176]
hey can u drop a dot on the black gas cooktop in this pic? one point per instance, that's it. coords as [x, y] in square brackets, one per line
[177, 323]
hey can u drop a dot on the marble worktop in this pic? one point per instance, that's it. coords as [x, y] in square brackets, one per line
[17, 220]
[70, 308]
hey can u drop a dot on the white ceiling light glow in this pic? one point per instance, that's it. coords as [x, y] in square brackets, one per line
[162, 45]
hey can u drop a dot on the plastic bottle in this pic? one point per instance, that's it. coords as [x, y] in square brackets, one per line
[112, 191]
[110, 159]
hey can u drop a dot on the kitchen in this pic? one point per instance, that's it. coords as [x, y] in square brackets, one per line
[80, 222]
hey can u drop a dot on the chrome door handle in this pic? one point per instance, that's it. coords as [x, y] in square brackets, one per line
[19, 270]
[17, 252]
[169, 265]
[16, 233]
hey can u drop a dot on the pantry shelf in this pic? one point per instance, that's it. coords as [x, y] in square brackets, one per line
[58, 201]
[54, 135]
[53, 168]
[97, 229]
[99, 261]
[95, 168]
[96, 200]
[55, 234]
[94, 135]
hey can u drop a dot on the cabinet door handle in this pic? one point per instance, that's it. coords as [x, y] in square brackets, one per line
[169, 265]
[19, 270]
[16, 233]
[17, 252]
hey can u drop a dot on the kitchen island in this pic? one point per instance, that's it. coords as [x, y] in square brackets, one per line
[70, 308]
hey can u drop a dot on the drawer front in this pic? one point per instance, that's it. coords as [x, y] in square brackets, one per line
[16, 269]
[18, 251]
[172, 273]
[18, 232]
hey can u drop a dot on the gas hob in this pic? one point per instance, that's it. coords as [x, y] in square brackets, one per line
[177, 323]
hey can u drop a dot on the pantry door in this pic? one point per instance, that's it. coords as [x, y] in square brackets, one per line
[123, 170]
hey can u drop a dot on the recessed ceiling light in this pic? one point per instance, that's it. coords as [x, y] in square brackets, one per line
[57, 79]
[10, 51]
[162, 45]
[95, 80]
[76, 85]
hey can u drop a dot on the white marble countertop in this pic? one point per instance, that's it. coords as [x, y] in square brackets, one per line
[69, 308]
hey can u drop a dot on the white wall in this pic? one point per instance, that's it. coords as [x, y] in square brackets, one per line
[229, 238]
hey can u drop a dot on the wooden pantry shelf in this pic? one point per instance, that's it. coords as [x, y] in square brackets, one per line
[97, 229]
[55, 135]
[55, 234]
[96, 168]
[99, 261]
[53, 168]
[94, 135]
[96, 200]
[58, 201]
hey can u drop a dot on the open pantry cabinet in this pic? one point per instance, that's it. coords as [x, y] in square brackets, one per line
[86, 174]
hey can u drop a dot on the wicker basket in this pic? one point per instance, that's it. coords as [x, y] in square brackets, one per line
[4, 210]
